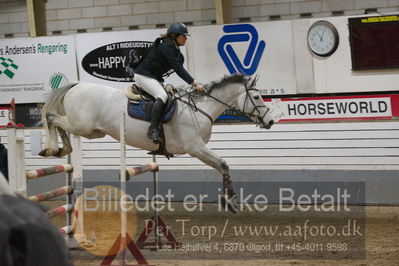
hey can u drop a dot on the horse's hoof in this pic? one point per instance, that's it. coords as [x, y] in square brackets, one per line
[231, 203]
[49, 153]
[229, 197]
[42, 153]
[59, 153]
[45, 153]
[62, 152]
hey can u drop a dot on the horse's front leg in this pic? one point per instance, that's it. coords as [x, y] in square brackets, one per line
[203, 153]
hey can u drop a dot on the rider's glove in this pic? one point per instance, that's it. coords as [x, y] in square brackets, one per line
[198, 86]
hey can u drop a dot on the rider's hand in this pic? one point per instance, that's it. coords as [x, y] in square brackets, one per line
[199, 87]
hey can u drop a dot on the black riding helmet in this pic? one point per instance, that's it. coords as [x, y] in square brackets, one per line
[178, 28]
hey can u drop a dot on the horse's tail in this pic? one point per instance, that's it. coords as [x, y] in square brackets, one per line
[54, 102]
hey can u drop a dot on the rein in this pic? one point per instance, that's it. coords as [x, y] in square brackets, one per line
[249, 115]
[192, 104]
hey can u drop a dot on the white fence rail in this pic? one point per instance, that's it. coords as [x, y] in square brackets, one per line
[340, 146]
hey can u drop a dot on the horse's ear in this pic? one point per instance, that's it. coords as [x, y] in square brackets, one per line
[255, 79]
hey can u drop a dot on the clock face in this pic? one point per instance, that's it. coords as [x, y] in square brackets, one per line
[323, 38]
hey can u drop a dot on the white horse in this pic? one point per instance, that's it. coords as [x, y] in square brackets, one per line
[93, 111]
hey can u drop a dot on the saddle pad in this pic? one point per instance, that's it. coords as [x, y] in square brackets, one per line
[142, 110]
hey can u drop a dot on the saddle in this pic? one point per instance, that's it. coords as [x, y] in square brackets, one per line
[134, 92]
[140, 105]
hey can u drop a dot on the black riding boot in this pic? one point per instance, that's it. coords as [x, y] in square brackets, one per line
[154, 132]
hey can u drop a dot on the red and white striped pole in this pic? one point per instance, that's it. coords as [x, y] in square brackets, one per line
[51, 194]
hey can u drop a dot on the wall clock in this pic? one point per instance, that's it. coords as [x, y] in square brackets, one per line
[323, 38]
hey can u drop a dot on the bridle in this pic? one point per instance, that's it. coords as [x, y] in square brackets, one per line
[250, 115]
[255, 107]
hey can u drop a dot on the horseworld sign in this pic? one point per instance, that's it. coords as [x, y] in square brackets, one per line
[358, 107]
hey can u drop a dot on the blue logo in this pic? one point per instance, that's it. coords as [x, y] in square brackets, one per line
[241, 33]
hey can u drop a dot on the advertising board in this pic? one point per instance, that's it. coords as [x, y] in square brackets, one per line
[32, 67]
[264, 49]
[105, 58]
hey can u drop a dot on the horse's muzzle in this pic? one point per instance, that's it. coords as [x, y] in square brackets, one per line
[269, 124]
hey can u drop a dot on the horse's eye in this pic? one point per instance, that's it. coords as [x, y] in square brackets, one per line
[256, 97]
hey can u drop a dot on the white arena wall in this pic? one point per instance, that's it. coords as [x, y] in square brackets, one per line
[316, 146]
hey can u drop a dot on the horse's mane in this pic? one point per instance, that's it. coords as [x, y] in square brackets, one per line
[235, 78]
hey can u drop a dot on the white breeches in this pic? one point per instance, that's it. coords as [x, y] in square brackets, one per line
[152, 86]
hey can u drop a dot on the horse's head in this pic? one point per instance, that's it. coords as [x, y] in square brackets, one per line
[238, 92]
[252, 104]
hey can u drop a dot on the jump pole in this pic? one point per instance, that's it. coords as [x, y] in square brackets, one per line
[65, 190]
[124, 241]
[18, 176]
[16, 154]
[16, 160]
[157, 237]
[123, 185]
[75, 180]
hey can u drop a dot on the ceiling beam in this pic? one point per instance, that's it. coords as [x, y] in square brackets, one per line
[222, 11]
[36, 17]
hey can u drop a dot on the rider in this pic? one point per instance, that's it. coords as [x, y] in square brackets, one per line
[159, 61]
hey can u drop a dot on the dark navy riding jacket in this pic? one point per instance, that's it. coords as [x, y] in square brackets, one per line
[3, 161]
[161, 59]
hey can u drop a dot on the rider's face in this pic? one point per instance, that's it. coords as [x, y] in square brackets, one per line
[181, 39]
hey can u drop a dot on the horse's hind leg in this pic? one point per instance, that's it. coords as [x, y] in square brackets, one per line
[67, 147]
[63, 126]
[229, 197]
[51, 147]
[57, 123]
